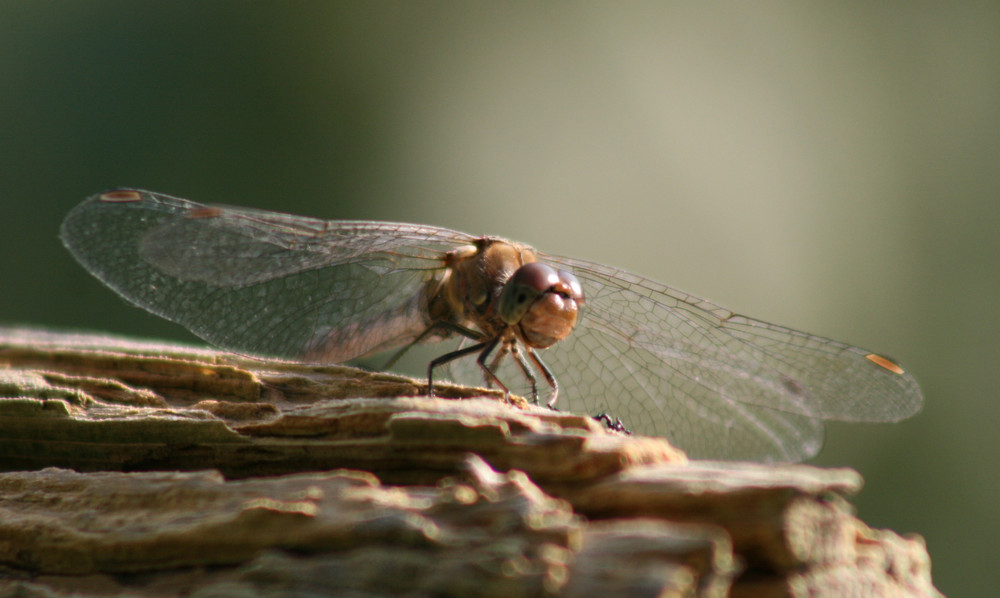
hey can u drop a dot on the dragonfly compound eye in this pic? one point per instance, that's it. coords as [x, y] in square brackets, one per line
[523, 288]
[542, 302]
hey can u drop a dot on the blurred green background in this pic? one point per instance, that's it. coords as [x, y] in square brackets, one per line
[832, 167]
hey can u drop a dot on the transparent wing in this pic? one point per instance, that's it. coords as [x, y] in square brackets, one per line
[717, 384]
[262, 283]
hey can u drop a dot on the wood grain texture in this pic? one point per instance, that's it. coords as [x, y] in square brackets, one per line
[143, 468]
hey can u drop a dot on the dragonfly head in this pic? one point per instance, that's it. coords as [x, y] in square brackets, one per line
[543, 302]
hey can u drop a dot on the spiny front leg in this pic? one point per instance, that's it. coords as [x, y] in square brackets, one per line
[526, 369]
[484, 347]
[490, 376]
[549, 377]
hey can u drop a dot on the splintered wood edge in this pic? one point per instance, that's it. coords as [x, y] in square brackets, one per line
[156, 398]
[74, 524]
[95, 403]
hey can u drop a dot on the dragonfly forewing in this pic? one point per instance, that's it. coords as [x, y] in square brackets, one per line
[262, 283]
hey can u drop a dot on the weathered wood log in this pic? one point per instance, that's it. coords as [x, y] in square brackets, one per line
[150, 468]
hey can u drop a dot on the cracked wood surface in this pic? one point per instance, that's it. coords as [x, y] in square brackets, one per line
[144, 468]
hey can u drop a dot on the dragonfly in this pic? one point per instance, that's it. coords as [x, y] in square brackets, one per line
[718, 384]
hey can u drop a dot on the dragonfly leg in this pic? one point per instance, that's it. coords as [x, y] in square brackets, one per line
[519, 358]
[551, 404]
[490, 376]
[438, 326]
[484, 347]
